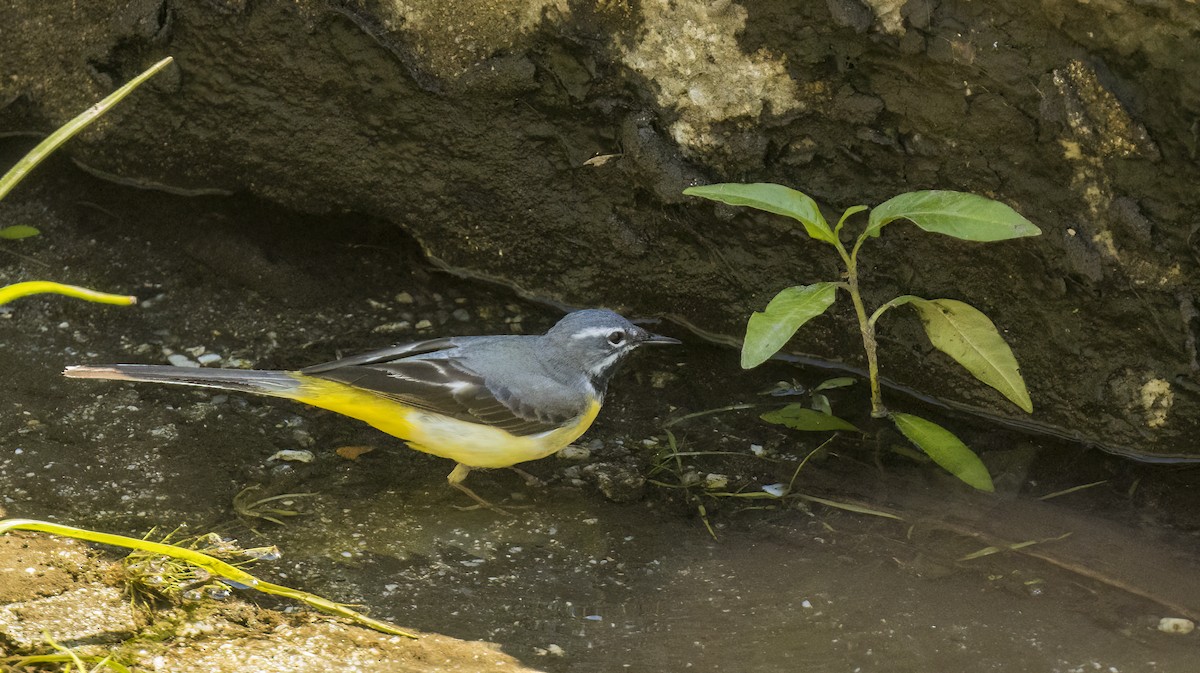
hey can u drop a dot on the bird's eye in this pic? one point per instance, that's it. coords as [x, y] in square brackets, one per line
[616, 338]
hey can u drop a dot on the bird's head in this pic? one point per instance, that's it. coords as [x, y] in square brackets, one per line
[594, 342]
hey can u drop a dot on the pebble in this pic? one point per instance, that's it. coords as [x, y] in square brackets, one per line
[424, 324]
[181, 360]
[461, 315]
[392, 327]
[574, 453]
[715, 481]
[1176, 625]
[404, 298]
[292, 455]
[777, 490]
[208, 358]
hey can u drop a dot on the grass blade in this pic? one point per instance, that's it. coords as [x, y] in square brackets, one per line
[213, 565]
[18, 290]
[66, 131]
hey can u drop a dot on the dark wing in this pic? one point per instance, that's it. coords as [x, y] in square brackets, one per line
[444, 386]
[385, 355]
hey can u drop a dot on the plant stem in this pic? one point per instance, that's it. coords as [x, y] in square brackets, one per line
[865, 326]
[18, 290]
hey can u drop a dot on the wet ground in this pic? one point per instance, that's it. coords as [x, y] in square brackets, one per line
[601, 568]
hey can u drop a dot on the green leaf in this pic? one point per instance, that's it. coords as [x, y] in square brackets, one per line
[839, 382]
[772, 198]
[797, 417]
[967, 216]
[852, 210]
[821, 403]
[967, 335]
[18, 231]
[945, 449]
[768, 330]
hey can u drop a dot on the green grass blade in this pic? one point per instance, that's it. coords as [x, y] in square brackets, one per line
[945, 449]
[64, 132]
[964, 333]
[772, 198]
[18, 290]
[966, 216]
[213, 565]
[848, 506]
[770, 329]
[988, 551]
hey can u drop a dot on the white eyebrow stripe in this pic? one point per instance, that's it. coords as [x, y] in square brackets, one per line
[594, 332]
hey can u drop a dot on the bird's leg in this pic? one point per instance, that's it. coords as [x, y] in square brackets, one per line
[456, 477]
[530, 480]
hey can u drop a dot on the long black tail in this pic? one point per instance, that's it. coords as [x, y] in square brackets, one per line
[259, 382]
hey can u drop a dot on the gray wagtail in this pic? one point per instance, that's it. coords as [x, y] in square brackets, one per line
[481, 401]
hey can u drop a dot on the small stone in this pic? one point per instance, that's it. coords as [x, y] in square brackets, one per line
[182, 360]
[618, 482]
[291, 455]
[662, 380]
[1177, 625]
[461, 315]
[715, 482]
[777, 490]
[574, 453]
[757, 449]
[404, 298]
[424, 324]
[208, 358]
[393, 327]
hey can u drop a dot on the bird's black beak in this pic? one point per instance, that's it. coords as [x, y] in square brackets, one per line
[659, 339]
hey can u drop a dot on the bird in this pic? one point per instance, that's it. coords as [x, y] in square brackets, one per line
[481, 401]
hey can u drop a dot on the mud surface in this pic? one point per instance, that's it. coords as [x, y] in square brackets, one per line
[470, 130]
[608, 565]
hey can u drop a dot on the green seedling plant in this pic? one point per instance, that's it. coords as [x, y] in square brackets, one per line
[35, 156]
[954, 327]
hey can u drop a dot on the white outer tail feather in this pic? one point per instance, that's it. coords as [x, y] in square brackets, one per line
[273, 383]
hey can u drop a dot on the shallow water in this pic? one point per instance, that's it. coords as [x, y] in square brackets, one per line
[575, 581]
[632, 587]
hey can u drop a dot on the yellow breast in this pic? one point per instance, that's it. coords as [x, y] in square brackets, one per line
[472, 444]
